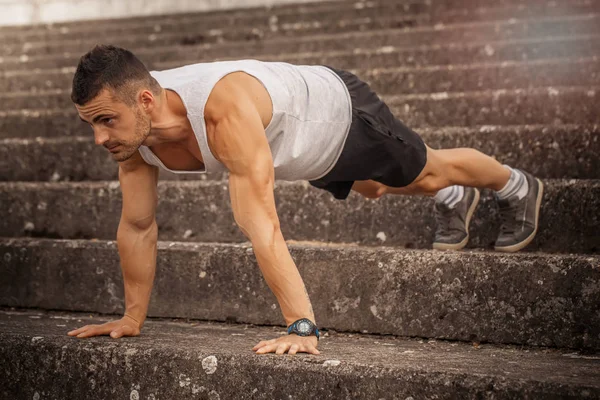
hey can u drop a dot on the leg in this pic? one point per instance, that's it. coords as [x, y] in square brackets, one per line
[462, 166]
[470, 168]
[466, 167]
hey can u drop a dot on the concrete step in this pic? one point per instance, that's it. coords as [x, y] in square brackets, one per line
[546, 105]
[485, 11]
[460, 52]
[45, 123]
[202, 28]
[196, 22]
[201, 211]
[558, 151]
[215, 45]
[490, 76]
[293, 11]
[461, 77]
[184, 359]
[387, 56]
[529, 299]
[549, 105]
[455, 53]
[196, 32]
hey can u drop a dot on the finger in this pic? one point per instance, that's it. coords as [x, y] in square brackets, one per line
[309, 348]
[117, 333]
[92, 331]
[282, 348]
[95, 330]
[123, 330]
[78, 331]
[263, 343]
[268, 348]
[259, 345]
[293, 349]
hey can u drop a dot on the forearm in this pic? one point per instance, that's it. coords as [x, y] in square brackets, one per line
[283, 278]
[137, 251]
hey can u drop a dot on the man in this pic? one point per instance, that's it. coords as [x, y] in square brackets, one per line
[266, 121]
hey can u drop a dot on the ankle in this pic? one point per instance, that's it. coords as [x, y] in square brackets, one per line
[505, 178]
[516, 186]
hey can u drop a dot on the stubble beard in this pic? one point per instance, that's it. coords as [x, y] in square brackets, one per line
[143, 125]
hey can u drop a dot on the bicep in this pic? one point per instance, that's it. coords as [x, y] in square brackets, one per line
[240, 143]
[138, 182]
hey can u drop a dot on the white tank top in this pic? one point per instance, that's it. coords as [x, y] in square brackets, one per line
[312, 112]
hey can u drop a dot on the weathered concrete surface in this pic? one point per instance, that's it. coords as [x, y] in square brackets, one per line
[46, 123]
[245, 33]
[456, 53]
[215, 45]
[569, 219]
[185, 360]
[27, 12]
[458, 7]
[314, 16]
[488, 12]
[555, 152]
[489, 76]
[219, 14]
[274, 23]
[533, 299]
[544, 105]
[385, 56]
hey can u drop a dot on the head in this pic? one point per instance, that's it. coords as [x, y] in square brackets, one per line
[114, 92]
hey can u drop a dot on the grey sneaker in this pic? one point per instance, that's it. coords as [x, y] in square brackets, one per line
[520, 217]
[453, 223]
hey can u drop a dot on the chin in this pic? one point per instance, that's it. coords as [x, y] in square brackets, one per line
[120, 157]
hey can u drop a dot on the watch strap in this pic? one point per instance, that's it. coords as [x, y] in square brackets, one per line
[314, 331]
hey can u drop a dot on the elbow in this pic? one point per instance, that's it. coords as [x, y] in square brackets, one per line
[147, 228]
[263, 237]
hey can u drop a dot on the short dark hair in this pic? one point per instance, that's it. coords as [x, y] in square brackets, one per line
[111, 67]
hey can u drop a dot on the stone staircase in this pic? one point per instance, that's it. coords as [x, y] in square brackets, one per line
[517, 79]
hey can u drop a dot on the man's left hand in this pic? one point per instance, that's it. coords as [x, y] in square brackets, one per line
[293, 342]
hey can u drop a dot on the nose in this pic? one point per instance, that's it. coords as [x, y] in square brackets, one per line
[99, 137]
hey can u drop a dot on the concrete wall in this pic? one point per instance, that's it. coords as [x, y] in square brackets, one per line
[22, 12]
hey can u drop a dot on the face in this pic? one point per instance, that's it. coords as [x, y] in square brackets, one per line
[120, 128]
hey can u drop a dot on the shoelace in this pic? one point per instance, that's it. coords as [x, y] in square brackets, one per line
[507, 216]
[443, 215]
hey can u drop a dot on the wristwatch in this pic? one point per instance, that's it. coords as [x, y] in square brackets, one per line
[303, 327]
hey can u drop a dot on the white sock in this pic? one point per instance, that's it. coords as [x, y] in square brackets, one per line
[450, 196]
[516, 185]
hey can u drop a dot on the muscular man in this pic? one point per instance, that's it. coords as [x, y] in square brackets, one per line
[262, 121]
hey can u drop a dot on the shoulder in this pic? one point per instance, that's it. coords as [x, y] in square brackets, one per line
[229, 96]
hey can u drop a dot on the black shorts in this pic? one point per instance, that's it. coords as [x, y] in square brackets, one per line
[378, 147]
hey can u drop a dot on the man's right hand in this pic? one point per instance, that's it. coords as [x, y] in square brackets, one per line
[126, 326]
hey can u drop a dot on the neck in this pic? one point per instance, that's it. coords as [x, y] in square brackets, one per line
[169, 120]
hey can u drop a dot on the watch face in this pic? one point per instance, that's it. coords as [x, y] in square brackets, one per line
[303, 327]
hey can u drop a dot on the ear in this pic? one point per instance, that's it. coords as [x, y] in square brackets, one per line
[147, 100]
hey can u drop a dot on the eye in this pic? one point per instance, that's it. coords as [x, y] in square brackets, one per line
[108, 121]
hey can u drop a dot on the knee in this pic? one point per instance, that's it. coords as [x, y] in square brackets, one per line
[376, 193]
[437, 173]
[370, 189]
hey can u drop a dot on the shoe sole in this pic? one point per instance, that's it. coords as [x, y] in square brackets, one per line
[518, 246]
[463, 243]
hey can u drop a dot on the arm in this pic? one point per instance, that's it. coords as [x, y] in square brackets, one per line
[137, 234]
[238, 140]
[136, 242]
